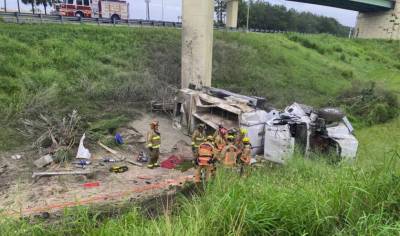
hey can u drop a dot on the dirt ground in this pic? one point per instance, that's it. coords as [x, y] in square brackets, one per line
[21, 195]
[170, 136]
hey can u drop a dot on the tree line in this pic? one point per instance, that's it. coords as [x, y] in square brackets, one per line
[266, 16]
[44, 3]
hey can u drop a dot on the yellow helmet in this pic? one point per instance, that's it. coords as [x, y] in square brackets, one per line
[231, 138]
[243, 131]
[246, 140]
[210, 138]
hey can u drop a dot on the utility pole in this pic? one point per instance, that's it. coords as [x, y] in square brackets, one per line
[33, 6]
[5, 5]
[19, 9]
[162, 10]
[248, 15]
[350, 32]
[147, 9]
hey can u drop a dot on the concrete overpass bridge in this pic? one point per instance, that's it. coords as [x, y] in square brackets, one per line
[376, 19]
[354, 5]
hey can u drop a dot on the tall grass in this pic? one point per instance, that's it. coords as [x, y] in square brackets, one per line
[304, 197]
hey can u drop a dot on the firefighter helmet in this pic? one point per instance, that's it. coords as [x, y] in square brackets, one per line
[231, 138]
[246, 140]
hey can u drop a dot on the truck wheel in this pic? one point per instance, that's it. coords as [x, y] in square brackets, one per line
[115, 18]
[79, 15]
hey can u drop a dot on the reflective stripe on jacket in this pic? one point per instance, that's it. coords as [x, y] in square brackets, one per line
[153, 139]
[198, 138]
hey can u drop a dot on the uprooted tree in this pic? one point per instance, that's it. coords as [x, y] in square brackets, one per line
[58, 136]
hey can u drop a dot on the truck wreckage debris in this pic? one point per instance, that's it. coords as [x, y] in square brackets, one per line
[274, 134]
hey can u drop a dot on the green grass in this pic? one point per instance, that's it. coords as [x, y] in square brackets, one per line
[53, 69]
[106, 72]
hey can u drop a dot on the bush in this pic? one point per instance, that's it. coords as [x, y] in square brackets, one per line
[104, 128]
[370, 105]
[307, 42]
[63, 155]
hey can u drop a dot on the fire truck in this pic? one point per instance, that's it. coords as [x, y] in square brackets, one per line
[112, 9]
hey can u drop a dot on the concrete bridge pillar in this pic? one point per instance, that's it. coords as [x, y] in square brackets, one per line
[381, 25]
[232, 11]
[197, 42]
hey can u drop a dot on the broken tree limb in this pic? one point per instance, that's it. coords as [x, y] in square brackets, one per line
[41, 174]
[3, 168]
[135, 163]
[107, 148]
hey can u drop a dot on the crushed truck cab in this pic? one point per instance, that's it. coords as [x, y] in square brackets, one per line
[307, 130]
[274, 135]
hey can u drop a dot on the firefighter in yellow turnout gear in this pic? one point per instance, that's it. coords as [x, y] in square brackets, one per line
[220, 143]
[239, 139]
[230, 153]
[245, 156]
[205, 159]
[153, 144]
[198, 137]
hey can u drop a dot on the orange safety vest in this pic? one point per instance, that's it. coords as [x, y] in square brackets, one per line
[205, 153]
[231, 153]
[246, 154]
[219, 142]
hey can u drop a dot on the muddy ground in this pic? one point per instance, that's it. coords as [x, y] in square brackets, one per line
[21, 195]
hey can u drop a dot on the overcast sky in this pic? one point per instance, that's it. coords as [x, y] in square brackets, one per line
[172, 9]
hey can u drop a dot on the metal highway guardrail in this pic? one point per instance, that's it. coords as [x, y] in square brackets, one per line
[28, 18]
[20, 18]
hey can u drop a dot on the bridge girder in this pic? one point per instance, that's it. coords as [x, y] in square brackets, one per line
[355, 5]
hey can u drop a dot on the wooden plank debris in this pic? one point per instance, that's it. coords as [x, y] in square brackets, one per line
[58, 173]
[107, 148]
[135, 163]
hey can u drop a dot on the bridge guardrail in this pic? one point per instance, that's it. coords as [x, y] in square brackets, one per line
[20, 18]
[15, 17]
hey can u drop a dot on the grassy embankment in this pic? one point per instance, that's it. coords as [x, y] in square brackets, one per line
[53, 69]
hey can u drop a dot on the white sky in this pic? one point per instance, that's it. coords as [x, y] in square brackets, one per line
[172, 9]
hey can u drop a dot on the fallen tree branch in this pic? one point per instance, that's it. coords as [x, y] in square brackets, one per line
[135, 163]
[107, 148]
[41, 174]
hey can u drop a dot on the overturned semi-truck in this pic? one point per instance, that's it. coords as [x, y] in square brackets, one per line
[274, 134]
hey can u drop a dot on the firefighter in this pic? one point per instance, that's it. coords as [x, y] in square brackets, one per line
[205, 159]
[245, 156]
[198, 137]
[220, 143]
[230, 153]
[219, 130]
[239, 139]
[153, 144]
